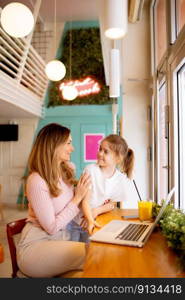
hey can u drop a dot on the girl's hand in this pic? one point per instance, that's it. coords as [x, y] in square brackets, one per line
[109, 205]
[82, 188]
[91, 226]
[106, 201]
[94, 212]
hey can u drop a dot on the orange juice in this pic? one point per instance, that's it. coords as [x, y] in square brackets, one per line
[145, 210]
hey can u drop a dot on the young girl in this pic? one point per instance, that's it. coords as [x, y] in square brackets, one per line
[110, 180]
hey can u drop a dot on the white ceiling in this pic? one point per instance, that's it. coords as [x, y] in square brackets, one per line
[76, 10]
[8, 110]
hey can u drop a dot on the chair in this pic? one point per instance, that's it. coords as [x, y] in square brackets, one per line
[14, 228]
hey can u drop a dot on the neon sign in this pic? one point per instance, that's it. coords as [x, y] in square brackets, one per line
[85, 87]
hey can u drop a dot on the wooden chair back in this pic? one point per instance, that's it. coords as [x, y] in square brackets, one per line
[12, 229]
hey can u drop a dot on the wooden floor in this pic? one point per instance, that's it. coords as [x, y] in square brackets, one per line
[10, 213]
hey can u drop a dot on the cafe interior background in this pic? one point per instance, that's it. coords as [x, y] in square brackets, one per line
[29, 99]
[114, 85]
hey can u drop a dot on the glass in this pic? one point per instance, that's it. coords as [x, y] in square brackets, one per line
[145, 210]
[181, 136]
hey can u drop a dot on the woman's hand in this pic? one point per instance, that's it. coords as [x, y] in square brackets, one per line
[82, 188]
[84, 223]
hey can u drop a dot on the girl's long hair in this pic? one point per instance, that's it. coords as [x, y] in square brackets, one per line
[43, 158]
[121, 150]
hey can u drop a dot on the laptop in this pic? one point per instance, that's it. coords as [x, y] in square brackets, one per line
[129, 233]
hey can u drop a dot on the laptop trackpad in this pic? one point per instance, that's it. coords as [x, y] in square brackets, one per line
[114, 226]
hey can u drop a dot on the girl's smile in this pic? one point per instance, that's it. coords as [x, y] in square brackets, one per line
[105, 156]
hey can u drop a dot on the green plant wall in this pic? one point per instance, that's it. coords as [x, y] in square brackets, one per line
[86, 60]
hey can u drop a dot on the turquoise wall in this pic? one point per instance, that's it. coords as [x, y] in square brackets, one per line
[80, 119]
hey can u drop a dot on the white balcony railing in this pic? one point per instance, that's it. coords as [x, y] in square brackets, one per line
[23, 68]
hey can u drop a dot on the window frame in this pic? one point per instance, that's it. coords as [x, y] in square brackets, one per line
[168, 67]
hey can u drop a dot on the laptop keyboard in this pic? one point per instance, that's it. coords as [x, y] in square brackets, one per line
[132, 232]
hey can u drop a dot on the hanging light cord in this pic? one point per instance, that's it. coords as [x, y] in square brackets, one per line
[55, 25]
[70, 51]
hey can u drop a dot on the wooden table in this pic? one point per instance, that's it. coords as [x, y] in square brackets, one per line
[155, 259]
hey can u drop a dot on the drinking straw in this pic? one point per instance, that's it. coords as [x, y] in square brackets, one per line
[137, 190]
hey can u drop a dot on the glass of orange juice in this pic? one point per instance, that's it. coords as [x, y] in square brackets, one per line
[145, 210]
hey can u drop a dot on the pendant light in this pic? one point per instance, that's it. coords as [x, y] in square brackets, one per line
[116, 18]
[114, 86]
[55, 69]
[114, 73]
[17, 20]
[70, 92]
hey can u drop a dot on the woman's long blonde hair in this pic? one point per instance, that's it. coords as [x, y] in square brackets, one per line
[43, 158]
[121, 150]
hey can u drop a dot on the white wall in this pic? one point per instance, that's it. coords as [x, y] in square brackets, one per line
[13, 158]
[136, 98]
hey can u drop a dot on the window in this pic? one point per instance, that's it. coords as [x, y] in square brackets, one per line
[160, 29]
[177, 11]
[163, 164]
[181, 135]
[169, 99]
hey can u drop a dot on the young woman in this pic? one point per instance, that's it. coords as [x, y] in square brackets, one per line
[44, 249]
[110, 178]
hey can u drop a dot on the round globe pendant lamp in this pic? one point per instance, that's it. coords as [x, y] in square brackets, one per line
[17, 20]
[116, 18]
[55, 69]
[69, 93]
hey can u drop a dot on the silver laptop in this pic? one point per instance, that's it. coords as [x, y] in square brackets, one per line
[129, 233]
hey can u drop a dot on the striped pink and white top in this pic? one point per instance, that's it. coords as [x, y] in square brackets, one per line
[51, 213]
